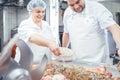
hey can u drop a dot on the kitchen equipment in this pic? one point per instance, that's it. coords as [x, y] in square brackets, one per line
[18, 74]
[37, 70]
[11, 70]
[115, 58]
[8, 65]
[5, 58]
[26, 55]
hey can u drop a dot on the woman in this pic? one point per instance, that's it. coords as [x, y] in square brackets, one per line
[37, 33]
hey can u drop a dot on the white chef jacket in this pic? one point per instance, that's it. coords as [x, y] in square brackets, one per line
[28, 27]
[86, 32]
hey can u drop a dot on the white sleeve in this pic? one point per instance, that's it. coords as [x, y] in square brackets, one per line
[25, 30]
[105, 17]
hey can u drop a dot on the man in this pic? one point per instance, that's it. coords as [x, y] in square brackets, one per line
[84, 27]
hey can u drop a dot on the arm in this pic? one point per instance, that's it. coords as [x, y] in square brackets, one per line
[115, 30]
[105, 19]
[65, 39]
[42, 41]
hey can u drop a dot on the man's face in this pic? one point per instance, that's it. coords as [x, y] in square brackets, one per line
[76, 5]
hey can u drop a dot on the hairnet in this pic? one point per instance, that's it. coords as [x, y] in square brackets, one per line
[36, 3]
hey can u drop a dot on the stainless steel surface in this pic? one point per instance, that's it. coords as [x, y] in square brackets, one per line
[6, 53]
[26, 55]
[8, 65]
[37, 70]
[18, 74]
[43, 64]
[5, 56]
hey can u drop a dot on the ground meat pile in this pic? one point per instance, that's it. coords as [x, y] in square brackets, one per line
[77, 72]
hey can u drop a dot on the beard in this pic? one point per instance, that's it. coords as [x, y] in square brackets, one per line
[79, 9]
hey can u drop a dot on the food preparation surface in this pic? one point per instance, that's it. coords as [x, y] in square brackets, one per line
[81, 71]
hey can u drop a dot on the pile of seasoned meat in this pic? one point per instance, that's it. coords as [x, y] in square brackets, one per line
[75, 72]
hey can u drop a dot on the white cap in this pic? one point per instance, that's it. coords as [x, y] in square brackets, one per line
[36, 3]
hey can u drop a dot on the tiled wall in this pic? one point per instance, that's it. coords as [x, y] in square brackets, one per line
[9, 19]
[22, 14]
[1, 29]
[12, 16]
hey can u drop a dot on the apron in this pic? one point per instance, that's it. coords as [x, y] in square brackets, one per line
[87, 40]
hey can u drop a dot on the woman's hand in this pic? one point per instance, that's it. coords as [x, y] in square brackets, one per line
[54, 47]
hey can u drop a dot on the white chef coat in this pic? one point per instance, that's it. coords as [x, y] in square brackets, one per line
[28, 27]
[86, 32]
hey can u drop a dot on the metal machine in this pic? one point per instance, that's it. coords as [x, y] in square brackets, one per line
[10, 69]
[8, 66]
